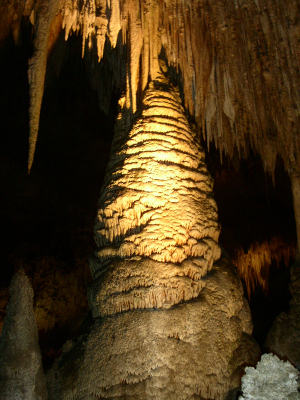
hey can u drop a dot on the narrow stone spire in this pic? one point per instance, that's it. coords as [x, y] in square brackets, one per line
[21, 371]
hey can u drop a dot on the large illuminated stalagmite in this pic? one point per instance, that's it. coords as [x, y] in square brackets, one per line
[238, 61]
[170, 318]
[157, 226]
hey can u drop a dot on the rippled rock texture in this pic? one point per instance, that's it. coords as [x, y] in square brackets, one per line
[157, 226]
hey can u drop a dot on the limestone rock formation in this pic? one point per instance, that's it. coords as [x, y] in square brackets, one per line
[21, 370]
[193, 350]
[162, 297]
[272, 379]
[238, 63]
[157, 226]
[284, 336]
[238, 60]
[170, 318]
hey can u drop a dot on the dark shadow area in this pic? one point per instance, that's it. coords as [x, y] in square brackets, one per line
[265, 307]
[47, 217]
[251, 209]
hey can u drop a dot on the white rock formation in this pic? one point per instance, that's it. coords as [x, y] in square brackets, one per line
[21, 370]
[272, 379]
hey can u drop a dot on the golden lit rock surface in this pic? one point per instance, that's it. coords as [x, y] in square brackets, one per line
[157, 226]
[238, 64]
[170, 317]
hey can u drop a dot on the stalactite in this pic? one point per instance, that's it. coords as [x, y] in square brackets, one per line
[239, 63]
[37, 69]
[254, 265]
[114, 22]
[135, 44]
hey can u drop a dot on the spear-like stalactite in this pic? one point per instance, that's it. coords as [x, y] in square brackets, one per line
[37, 69]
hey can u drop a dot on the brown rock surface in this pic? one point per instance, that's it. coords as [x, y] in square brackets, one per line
[193, 350]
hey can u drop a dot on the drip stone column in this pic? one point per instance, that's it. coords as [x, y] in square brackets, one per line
[170, 320]
[156, 227]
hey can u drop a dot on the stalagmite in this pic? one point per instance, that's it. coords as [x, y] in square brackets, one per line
[21, 370]
[157, 203]
[170, 320]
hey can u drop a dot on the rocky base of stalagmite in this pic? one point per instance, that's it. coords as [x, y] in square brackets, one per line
[284, 336]
[194, 350]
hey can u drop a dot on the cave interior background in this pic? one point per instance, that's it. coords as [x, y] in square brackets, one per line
[47, 217]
